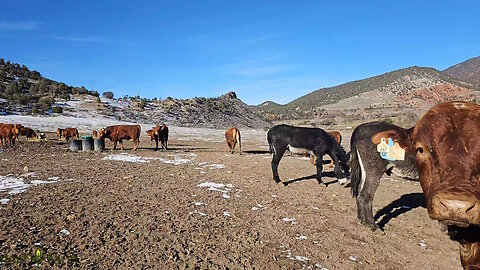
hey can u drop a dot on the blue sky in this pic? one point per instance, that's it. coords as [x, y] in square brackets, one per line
[263, 50]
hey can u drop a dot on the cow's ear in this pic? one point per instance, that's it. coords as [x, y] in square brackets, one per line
[401, 136]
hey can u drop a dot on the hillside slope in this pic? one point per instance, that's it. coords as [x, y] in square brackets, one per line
[410, 88]
[23, 91]
[468, 71]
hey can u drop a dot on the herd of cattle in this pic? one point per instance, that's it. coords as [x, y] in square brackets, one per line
[441, 151]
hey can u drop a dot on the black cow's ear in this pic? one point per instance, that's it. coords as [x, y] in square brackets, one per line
[402, 137]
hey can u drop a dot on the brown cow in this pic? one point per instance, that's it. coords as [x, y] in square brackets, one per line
[447, 155]
[337, 136]
[59, 133]
[28, 133]
[9, 132]
[161, 131]
[118, 133]
[94, 133]
[153, 136]
[70, 133]
[232, 137]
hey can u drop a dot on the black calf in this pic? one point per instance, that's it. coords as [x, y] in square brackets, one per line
[312, 140]
[367, 167]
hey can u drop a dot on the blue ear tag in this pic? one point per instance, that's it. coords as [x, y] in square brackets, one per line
[387, 154]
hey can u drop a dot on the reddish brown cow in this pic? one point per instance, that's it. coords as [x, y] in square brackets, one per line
[94, 133]
[161, 131]
[28, 133]
[59, 133]
[70, 133]
[151, 134]
[9, 132]
[232, 137]
[118, 133]
[447, 155]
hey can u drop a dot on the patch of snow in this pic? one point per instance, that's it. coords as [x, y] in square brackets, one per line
[227, 214]
[301, 258]
[320, 266]
[177, 160]
[291, 220]
[258, 207]
[353, 259]
[197, 212]
[65, 231]
[198, 203]
[302, 237]
[4, 201]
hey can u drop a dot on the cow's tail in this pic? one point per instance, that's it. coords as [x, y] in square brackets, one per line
[239, 141]
[270, 144]
[357, 175]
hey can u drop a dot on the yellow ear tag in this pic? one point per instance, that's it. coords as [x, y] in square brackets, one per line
[397, 152]
[382, 146]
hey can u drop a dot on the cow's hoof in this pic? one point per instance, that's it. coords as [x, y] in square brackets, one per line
[285, 184]
[321, 183]
[342, 181]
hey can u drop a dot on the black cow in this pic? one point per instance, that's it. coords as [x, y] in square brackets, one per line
[315, 141]
[368, 167]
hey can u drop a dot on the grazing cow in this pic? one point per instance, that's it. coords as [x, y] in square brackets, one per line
[232, 137]
[118, 133]
[367, 167]
[28, 133]
[161, 131]
[447, 155]
[59, 133]
[338, 137]
[70, 133]
[9, 132]
[95, 133]
[300, 139]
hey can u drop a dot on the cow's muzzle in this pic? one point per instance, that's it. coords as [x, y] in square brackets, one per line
[455, 209]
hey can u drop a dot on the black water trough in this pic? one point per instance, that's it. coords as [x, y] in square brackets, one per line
[76, 145]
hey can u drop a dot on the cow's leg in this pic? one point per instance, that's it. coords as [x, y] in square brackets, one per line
[121, 144]
[166, 144]
[114, 145]
[234, 143]
[365, 199]
[277, 156]
[319, 165]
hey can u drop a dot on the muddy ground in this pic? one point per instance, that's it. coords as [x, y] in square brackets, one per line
[197, 206]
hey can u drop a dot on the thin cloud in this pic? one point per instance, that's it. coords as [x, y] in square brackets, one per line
[19, 25]
[87, 39]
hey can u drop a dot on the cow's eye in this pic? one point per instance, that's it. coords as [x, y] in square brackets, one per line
[419, 150]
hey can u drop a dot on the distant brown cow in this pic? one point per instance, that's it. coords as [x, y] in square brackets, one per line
[59, 133]
[28, 133]
[8, 133]
[69, 133]
[447, 155]
[232, 137]
[118, 133]
[94, 133]
[338, 138]
[161, 131]
[151, 134]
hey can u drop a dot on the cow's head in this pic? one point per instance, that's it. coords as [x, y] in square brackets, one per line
[447, 154]
[59, 132]
[16, 129]
[104, 133]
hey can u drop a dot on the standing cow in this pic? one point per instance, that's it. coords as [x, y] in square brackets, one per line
[161, 131]
[27, 132]
[367, 167]
[9, 132]
[447, 154]
[69, 133]
[232, 136]
[118, 133]
[338, 138]
[315, 141]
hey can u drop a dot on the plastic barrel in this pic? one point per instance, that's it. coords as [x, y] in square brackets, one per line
[87, 143]
[76, 145]
[99, 144]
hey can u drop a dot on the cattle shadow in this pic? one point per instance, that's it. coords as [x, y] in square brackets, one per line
[400, 206]
[257, 152]
[313, 176]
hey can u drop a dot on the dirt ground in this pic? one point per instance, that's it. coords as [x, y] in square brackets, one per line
[197, 206]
